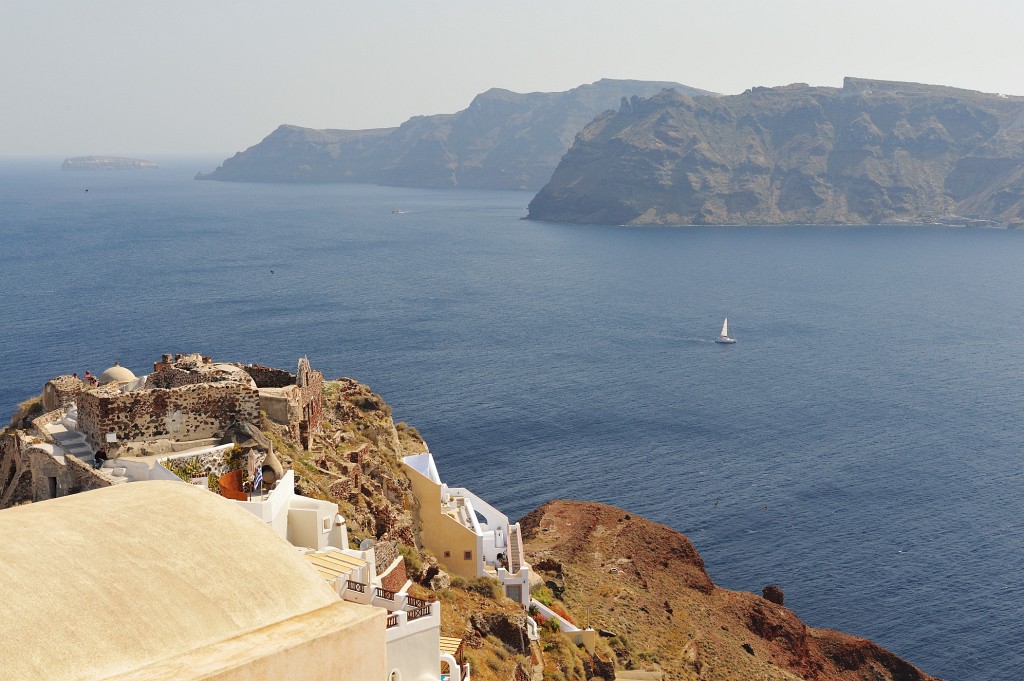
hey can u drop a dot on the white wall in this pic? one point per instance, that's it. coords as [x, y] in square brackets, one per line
[323, 512]
[414, 648]
[424, 465]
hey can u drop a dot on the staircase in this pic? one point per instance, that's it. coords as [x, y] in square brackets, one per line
[515, 552]
[71, 441]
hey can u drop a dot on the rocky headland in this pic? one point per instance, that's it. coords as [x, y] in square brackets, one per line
[503, 140]
[640, 584]
[871, 152]
[644, 587]
[107, 163]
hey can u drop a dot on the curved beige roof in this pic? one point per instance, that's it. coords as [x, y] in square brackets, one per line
[104, 582]
[116, 374]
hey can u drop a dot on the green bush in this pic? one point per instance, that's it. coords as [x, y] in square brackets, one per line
[543, 595]
[236, 458]
[485, 586]
[413, 562]
[186, 469]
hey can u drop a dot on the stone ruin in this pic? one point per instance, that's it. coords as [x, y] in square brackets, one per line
[188, 401]
[292, 400]
[61, 391]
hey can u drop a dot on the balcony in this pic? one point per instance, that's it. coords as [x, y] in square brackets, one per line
[403, 623]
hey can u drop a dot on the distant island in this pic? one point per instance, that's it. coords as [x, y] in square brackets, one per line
[503, 140]
[871, 152]
[107, 163]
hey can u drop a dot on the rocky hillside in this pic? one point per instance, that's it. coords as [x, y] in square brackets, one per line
[503, 140]
[871, 152]
[356, 462]
[643, 585]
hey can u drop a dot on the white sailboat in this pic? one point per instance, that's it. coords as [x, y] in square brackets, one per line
[724, 336]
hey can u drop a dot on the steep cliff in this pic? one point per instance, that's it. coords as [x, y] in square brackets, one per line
[503, 140]
[644, 586]
[872, 152]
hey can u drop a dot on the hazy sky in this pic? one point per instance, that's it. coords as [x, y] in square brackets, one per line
[138, 77]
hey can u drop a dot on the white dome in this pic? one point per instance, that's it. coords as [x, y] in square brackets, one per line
[116, 374]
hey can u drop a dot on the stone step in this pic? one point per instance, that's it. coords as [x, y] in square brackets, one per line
[68, 437]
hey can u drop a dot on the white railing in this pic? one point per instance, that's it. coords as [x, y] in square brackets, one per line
[585, 637]
[402, 623]
[548, 613]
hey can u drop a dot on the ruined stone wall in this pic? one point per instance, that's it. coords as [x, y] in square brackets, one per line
[311, 400]
[69, 477]
[61, 391]
[282, 406]
[385, 552]
[269, 377]
[190, 412]
[40, 422]
[350, 486]
[172, 376]
[15, 470]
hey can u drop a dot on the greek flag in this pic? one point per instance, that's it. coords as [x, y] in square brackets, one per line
[257, 482]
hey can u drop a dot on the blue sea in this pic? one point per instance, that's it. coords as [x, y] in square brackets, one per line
[860, 446]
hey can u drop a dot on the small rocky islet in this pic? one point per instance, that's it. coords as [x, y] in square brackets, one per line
[107, 163]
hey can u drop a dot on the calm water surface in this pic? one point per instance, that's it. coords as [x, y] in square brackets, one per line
[859, 446]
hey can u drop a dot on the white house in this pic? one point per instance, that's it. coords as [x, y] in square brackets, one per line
[470, 537]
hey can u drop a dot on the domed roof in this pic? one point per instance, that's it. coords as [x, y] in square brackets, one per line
[117, 374]
[161, 591]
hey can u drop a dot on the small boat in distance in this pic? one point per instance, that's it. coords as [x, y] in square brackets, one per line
[724, 336]
[397, 211]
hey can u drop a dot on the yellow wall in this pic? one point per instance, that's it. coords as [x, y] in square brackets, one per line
[441, 533]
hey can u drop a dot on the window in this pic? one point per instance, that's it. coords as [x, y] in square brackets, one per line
[447, 554]
[327, 524]
[467, 555]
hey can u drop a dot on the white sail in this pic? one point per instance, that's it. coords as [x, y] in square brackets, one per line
[725, 328]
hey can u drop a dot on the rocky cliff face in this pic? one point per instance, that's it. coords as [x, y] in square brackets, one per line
[872, 152]
[643, 585]
[503, 140]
